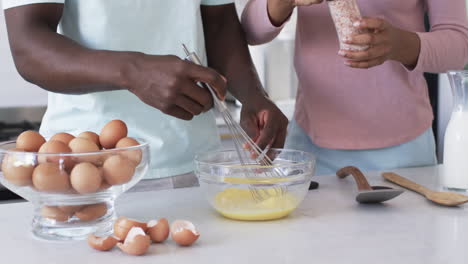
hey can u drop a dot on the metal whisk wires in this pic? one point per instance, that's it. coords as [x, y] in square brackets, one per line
[251, 156]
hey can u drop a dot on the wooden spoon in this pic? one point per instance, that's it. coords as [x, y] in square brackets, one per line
[442, 198]
[367, 193]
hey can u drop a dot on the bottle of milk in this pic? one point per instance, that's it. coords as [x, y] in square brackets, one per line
[455, 168]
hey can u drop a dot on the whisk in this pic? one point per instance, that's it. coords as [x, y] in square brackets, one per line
[251, 156]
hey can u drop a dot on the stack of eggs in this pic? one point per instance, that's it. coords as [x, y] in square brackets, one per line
[66, 164]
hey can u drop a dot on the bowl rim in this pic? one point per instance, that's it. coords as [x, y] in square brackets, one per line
[143, 144]
[313, 157]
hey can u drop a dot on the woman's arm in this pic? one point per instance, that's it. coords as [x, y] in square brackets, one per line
[263, 20]
[256, 23]
[444, 48]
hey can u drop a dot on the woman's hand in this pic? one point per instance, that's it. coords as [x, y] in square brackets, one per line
[280, 10]
[385, 43]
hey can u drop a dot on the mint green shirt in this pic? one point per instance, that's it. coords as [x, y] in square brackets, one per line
[157, 27]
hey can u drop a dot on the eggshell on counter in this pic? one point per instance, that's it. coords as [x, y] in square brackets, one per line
[112, 132]
[158, 230]
[102, 243]
[30, 141]
[184, 233]
[48, 177]
[123, 225]
[136, 243]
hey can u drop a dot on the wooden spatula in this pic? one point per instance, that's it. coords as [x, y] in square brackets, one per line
[367, 193]
[442, 198]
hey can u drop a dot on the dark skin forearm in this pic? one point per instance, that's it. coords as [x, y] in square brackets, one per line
[54, 62]
[58, 64]
[228, 53]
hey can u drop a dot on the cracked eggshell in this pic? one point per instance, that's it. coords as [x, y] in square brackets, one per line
[102, 243]
[123, 225]
[184, 233]
[158, 230]
[136, 243]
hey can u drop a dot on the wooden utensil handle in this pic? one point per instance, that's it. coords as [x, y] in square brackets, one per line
[397, 179]
[359, 177]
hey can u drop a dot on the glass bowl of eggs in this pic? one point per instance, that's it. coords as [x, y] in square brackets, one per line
[73, 180]
[254, 192]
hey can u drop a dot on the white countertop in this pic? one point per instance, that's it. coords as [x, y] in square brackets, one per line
[328, 227]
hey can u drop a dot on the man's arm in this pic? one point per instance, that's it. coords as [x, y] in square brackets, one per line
[58, 64]
[228, 53]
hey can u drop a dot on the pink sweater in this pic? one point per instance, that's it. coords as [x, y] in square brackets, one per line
[344, 108]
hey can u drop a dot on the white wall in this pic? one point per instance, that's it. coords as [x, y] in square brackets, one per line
[14, 91]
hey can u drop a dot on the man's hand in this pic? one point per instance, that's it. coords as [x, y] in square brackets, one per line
[385, 43]
[170, 85]
[264, 123]
[280, 10]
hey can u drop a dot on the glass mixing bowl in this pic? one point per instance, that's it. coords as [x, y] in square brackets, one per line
[253, 192]
[60, 212]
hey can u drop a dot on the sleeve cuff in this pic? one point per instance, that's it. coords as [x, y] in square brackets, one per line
[422, 53]
[265, 17]
[257, 24]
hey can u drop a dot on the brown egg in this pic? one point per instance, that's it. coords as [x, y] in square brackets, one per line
[17, 168]
[53, 212]
[118, 170]
[63, 137]
[184, 232]
[112, 132]
[92, 212]
[158, 230]
[70, 209]
[91, 136]
[104, 185]
[136, 243]
[123, 225]
[85, 178]
[55, 146]
[48, 177]
[82, 145]
[133, 155]
[30, 141]
[102, 243]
